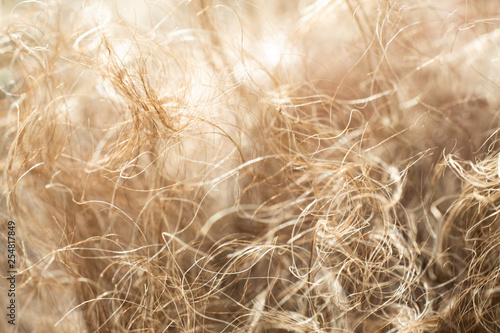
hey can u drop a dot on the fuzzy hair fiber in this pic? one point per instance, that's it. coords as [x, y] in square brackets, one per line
[251, 166]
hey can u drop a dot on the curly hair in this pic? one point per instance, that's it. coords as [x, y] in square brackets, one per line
[251, 166]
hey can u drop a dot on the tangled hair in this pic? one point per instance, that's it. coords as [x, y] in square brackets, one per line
[251, 166]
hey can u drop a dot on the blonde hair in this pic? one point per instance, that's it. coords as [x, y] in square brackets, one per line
[252, 166]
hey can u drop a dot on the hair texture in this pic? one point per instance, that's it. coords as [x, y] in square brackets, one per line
[251, 166]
